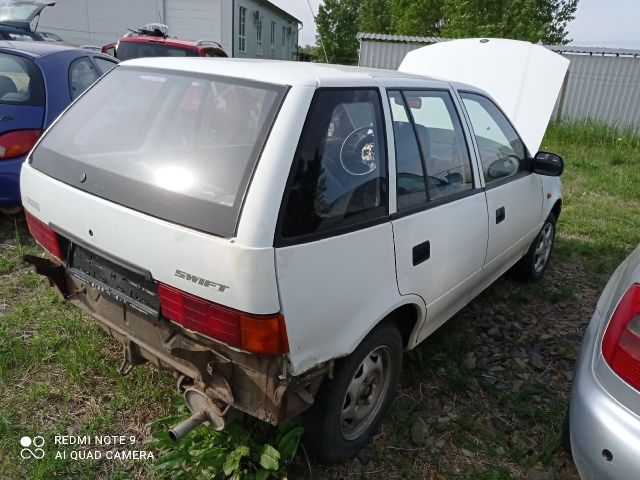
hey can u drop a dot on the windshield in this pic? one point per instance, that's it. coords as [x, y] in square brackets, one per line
[129, 50]
[19, 12]
[177, 146]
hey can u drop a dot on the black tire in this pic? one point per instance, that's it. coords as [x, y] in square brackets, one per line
[329, 437]
[532, 266]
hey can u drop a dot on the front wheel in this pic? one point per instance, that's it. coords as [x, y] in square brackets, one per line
[349, 407]
[533, 265]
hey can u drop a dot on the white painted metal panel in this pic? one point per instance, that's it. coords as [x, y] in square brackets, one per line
[457, 233]
[334, 291]
[524, 79]
[98, 22]
[195, 19]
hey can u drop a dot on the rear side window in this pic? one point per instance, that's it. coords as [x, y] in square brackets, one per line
[129, 50]
[181, 147]
[339, 175]
[20, 81]
[501, 151]
[82, 74]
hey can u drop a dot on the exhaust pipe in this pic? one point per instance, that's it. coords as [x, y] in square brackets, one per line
[181, 430]
[203, 410]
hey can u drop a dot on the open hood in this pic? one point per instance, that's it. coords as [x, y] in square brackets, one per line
[22, 11]
[525, 79]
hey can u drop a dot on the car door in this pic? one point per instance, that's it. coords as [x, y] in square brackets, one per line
[440, 227]
[514, 194]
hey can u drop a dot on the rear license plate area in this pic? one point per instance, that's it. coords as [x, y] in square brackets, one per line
[133, 289]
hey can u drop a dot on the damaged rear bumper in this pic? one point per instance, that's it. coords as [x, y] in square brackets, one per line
[255, 384]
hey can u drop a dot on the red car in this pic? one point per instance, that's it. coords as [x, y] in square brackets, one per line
[154, 42]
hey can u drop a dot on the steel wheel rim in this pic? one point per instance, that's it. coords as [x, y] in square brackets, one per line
[543, 248]
[366, 392]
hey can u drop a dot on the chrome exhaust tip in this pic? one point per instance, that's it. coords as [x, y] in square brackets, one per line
[204, 410]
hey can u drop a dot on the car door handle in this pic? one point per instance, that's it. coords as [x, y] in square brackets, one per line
[500, 215]
[421, 253]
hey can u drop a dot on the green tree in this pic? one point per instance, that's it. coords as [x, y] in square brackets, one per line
[533, 20]
[417, 17]
[337, 24]
[375, 16]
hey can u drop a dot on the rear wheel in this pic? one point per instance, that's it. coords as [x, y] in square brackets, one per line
[349, 407]
[532, 266]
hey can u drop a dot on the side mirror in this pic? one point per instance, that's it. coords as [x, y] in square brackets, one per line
[547, 163]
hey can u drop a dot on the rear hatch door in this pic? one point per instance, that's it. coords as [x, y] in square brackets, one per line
[147, 171]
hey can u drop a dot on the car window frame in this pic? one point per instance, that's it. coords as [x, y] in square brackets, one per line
[478, 186]
[71, 65]
[104, 58]
[280, 241]
[502, 181]
[36, 78]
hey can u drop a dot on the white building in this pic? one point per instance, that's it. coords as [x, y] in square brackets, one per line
[246, 28]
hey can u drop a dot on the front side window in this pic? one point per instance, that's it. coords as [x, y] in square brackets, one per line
[339, 174]
[20, 81]
[82, 74]
[242, 29]
[502, 152]
[177, 146]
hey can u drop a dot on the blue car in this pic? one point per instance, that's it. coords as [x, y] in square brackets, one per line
[38, 80]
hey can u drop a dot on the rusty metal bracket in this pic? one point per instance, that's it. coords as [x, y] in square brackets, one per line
[53, 271]
[131, 358]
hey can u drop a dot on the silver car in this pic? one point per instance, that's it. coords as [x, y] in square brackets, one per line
[605, 402]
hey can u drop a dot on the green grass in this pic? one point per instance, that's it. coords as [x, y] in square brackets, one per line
[58, 370]
[600, 222]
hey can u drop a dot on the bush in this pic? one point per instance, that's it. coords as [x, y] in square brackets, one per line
[247, 449]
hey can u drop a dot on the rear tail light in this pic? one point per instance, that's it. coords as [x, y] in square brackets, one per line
[621, 342]
[17, 143]
[47, 238]
[264, 334]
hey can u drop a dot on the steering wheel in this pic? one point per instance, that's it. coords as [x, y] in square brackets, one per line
[358, 152]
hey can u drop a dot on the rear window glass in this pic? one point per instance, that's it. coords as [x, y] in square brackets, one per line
[177, 146]
[20, 81]
[129, 50]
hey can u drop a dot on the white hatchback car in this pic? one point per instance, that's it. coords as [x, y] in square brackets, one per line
[277, 234]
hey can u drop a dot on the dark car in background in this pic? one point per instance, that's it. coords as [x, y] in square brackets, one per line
[38, 80]
[17, 33]
[16, 18]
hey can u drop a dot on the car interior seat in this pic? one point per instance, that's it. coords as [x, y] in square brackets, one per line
[7, 86]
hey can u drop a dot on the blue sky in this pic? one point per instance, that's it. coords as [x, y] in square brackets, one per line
[604, 23]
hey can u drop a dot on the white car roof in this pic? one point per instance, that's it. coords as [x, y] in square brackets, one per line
[275, 71]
